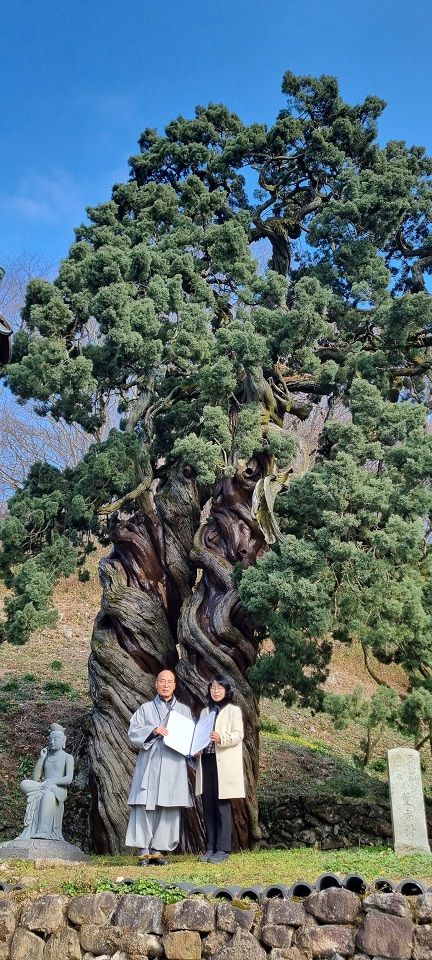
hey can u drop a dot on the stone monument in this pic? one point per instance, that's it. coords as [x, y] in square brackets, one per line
[46, 795]
[407, 802]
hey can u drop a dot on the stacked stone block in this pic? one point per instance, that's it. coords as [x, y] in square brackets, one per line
[334, 924]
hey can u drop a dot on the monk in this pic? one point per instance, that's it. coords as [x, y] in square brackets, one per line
[160, 785]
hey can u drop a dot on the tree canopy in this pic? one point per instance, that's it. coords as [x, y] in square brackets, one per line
[164, 307]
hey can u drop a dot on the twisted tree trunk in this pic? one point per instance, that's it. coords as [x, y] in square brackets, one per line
[149, 606]
[216, 634]
[144, 581]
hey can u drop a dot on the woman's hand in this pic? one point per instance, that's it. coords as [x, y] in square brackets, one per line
[160, 732]
[215, 737]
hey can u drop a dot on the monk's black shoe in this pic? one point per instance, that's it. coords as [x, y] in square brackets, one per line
[157, 860]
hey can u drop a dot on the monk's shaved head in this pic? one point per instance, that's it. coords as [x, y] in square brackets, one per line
[166, 684]
[166, 673]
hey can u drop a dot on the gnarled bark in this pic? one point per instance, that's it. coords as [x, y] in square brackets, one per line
[215, 632]
[144, 580]
[158, 610]
[149, 606]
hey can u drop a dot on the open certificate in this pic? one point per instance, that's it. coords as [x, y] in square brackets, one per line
[188, 737]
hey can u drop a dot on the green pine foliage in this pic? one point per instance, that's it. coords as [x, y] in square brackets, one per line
[360, 512]
[163, 308]
[374, 715]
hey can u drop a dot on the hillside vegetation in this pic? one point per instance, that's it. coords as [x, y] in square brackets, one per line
[45, 680]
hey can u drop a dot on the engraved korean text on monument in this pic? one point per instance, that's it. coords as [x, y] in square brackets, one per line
[407, 802]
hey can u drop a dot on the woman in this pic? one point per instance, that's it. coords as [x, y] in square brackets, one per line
[220, 769]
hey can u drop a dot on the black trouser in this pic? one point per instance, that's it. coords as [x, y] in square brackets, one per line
[217, 813]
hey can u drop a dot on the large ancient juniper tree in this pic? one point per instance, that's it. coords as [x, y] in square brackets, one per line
[231, 377]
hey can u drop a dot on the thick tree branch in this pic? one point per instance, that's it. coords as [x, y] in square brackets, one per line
[108, 508]
[369, 669]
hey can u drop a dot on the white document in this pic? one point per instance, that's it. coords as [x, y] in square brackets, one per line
[180, 733]
[203, 729]
[188, 737]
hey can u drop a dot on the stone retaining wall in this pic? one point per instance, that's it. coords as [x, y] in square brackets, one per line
[330, 823]
[329, 925]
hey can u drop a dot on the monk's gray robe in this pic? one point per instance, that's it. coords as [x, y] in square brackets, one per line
[159, 785]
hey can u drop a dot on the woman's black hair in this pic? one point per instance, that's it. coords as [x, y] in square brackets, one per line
[225, 683]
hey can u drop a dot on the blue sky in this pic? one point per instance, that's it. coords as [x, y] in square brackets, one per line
[80, 80]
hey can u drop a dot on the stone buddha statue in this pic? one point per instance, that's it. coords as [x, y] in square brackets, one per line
[46, 791]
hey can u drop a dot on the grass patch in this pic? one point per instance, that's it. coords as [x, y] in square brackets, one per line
[26, 765]
[295, 767]
[60, 688]
[22, 686]
[293, 736]
[145, 887]
[269, 726]
[14, 691]
[260, 868]
[8, 706]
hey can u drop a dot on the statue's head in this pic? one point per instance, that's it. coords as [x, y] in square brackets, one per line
[57, 737]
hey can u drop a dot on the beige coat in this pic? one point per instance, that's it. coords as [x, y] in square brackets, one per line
[229, 754]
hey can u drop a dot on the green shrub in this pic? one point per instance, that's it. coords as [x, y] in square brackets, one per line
[269, 726]
[379, 764]
[76, 888]
[347, 784]
[8, 706]
[25, 766]
[59, 688]
[167, 892]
